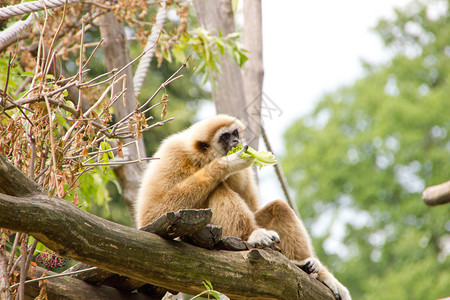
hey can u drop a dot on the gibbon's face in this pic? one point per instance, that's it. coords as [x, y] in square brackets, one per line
[228, 139]
[216, 136]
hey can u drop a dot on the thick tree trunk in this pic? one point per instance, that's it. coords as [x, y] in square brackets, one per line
[72, 232]
[116, 54]
[253, 73]
[229, 96]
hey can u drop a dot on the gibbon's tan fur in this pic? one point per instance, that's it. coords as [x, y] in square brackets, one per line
[193, 171]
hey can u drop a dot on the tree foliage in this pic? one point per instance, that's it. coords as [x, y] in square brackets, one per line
[360, 160]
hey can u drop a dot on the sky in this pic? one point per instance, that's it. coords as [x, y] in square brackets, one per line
[311, 48]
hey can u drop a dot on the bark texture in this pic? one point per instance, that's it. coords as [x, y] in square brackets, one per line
[174, 265]
[253, 72]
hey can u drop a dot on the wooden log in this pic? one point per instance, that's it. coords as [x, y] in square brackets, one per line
[147, 257]
[104, 277]
[232, 243]
[183, 222]
[69, 288]
[206, 238]
[13, 182]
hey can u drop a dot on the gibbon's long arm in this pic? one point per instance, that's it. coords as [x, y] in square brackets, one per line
[195, 189]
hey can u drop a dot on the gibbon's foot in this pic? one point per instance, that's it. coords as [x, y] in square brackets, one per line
[340, 292]
[311, 265]
[263, 237]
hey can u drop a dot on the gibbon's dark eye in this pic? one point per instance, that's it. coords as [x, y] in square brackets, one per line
[225, 137]
[236, 133]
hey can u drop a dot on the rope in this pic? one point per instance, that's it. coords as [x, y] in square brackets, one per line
[144, 63]
[29, 7]
[15, 30]
[280, 175]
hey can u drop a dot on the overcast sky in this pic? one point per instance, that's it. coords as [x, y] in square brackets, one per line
[310, 48]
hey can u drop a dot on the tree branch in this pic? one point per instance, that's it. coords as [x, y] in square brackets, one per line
[437, 194]
[13, 182]
[70, 288]
[174, 265]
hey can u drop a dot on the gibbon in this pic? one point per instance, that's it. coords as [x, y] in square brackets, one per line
[193, 171]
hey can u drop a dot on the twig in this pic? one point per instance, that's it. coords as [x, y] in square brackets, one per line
[171, 78]
[7, 76]
[152, 107]
[93, 52]
[22, 86]
[78, 175]
[5, 95]
[99, 5]
[80, 91]
[41, 98]
[52, 140]
[100, 100]
[280, 175]
[30, 254]
[23, 270]
[42, 172]
[100, 151]
[157, 124]
[138, 151]
[113, 71]
[4, 278]
[33, 156]
[13, 268]
[55, 276]
[51, 54]
[13, 252]
[119, 163]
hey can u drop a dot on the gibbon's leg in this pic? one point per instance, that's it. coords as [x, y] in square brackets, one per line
[231, 212]
[296, 244]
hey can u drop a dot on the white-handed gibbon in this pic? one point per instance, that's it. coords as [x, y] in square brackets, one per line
[193, 171]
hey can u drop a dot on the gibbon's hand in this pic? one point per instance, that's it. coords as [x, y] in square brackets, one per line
[236, 162]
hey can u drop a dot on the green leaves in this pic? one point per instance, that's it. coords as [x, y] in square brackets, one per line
[210, 292]
[262, 158]
[208, 49]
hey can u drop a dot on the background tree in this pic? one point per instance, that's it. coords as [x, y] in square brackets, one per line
[360, 160]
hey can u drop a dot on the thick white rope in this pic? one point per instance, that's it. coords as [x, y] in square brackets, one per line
[145, 60]
[29, 7]
[13, 31]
